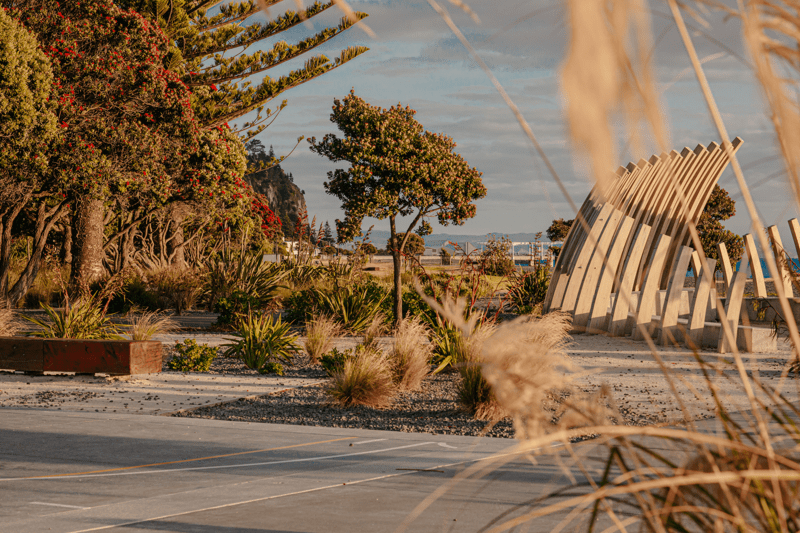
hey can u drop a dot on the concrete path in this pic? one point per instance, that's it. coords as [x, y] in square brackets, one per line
[148, 394]
[74, 472]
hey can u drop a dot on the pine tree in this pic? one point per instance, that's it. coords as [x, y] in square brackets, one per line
[327, 233]
[221, 85]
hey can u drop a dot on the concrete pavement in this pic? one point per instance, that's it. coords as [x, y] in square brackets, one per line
[149, 394]
[71, 472]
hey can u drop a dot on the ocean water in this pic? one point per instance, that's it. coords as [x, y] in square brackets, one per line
[764, 269]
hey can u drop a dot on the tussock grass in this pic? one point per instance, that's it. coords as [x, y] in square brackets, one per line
[320, 334]
[149, 324]
[365, 379]
[9, 324]
[375, 329]
[410, 354]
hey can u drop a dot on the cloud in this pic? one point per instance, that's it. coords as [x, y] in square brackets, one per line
[417, 61]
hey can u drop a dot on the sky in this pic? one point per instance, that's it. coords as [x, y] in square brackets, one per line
[415, 60]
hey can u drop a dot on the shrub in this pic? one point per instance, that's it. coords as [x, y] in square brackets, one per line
[528, 289]
[364, 379]
[192, 357]
[175, 288]
[320, 334]
[135, 294]
[262, 339]
[410, 355]
[333, 361]
[47, 288]
[230, 307]
[495, 259]
[299, 306]
[85, 318]
[148, 324]
[522, 361]
[271, 367]
[415, 306]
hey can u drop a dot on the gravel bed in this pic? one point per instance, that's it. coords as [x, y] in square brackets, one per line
[429, 410]
[432, 409]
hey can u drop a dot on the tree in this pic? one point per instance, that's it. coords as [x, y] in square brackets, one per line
[221, 85]
[327, 234]
[29, 125]
[559, 229]
[720, 207]
[397, 169]
[127, 126]
[415, 245]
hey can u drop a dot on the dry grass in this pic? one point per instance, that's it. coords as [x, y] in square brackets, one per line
[9, 325]
[320, 334]
[410, 355]
[145, 326]
[365, 379]
[375, 329]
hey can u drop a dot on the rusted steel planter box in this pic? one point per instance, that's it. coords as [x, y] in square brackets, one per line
[80, 356]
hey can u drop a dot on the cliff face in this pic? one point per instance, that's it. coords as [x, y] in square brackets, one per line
[283, 196]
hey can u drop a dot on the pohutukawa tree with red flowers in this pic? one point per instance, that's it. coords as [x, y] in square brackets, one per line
[127, 133]
[397, 169]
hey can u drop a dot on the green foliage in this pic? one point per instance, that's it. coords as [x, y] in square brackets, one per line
[84, 318]
[415, 306]
[446, 256]
[720, 207]
[299, 305]
[260, 339]
[528, 289]
[192, 357]
[495, 259]
[271, 367]
[474, 392]
[559, 229]
[449, 346]
[353, 307]
[135, 293]
[230, 307]
[222, 85]
[242, 279]
[28, 120]
[396, 169]
[415, 245]
[333, 361]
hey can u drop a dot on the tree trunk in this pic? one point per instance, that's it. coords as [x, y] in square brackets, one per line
[398, 287]
[45, 220]
[66, 249]
[87, 244]
[177, 240]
